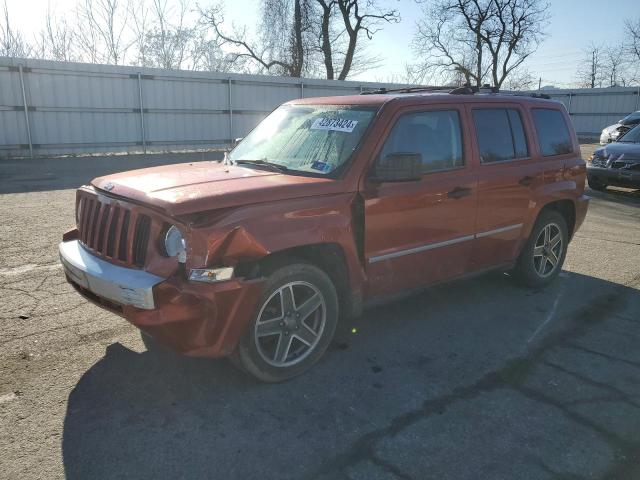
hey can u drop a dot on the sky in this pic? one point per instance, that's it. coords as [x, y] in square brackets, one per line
[573, 25]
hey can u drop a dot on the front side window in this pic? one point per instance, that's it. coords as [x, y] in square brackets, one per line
[500, 134]
[436, 135]
[553, 133]
[314, 139]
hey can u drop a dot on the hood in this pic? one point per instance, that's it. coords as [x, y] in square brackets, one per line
[196, 187]
[625, 155]
[620, 149]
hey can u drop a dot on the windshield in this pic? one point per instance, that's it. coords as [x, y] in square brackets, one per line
[306, 138]
[631, 119]
[632, 136]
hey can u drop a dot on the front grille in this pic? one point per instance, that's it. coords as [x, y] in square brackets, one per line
[599, 162]
[113, 231]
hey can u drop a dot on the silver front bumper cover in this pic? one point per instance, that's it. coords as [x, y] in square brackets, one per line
[125, 286]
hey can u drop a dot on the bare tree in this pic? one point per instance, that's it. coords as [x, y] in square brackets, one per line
[140, 24]
[520, 79]
[12, 43]
[57, 40]
[299, 37]
[272, 54]
[101, 30]
[590, 73]
[632, 30]
[354, 18]
[168, 43]
[480, 40]
[615, 65]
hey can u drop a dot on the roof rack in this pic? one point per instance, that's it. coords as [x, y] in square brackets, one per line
[466, 89]
[384, 90]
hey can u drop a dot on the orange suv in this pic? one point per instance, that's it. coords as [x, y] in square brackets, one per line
[327, 205]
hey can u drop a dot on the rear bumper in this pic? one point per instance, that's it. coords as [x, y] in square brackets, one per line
[614, 177]
[192, 318]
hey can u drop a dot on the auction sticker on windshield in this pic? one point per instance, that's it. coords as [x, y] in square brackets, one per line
[336, 124]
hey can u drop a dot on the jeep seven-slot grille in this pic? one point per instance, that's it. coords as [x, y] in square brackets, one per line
[113, 231]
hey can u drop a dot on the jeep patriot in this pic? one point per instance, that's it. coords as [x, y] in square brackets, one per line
[328, 205]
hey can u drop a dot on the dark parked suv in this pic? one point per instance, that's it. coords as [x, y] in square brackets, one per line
[617, 164]
[326, 206]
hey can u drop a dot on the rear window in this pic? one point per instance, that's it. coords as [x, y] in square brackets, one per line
[500, 134]
[553, 133]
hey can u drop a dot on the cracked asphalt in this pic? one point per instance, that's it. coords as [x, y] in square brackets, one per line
[476, 379]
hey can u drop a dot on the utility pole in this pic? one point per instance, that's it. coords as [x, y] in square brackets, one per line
[593, 69]
[539, 83]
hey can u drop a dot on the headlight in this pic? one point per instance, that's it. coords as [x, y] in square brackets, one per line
[175, 245]
[211, 275]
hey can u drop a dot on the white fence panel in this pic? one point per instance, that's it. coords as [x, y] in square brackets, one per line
[83, 108]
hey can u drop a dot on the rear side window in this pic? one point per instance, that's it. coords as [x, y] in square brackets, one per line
[500, 134]
[553, 133]
[436, 135]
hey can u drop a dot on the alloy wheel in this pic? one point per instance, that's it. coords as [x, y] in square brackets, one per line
[290, 324]
[548, 250]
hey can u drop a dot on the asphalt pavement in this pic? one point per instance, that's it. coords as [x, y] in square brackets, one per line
[476, 379]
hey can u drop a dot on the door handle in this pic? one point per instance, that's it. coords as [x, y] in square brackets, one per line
[527, 181]
[459, 192]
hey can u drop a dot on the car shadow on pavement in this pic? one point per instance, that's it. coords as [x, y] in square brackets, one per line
[460, 371]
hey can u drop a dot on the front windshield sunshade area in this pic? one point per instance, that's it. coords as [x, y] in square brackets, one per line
[306, 138]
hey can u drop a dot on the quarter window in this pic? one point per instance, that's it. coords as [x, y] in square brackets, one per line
[553, 134]
[436, 135]
[500, 134]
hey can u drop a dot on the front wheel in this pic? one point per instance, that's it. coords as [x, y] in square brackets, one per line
[293, 326]
[596, 185]
[542, 257]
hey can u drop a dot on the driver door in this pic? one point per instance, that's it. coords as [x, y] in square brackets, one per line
[420, 232]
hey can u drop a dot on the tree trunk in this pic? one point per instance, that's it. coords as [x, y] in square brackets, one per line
[326, 43]
[479, 65]
[298, 47]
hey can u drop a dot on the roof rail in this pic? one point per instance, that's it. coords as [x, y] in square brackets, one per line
[384, 90]
[468, 89]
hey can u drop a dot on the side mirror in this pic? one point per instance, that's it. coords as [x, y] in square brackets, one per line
[398, 167]
[237, 141]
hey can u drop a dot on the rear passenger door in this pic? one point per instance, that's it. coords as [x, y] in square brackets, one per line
[507, 175]
[421, 231]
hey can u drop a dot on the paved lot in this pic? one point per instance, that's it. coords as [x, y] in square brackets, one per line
[477, 379]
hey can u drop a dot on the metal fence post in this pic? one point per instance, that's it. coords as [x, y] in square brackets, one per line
[301, 89]
[26, 110]
[230, 114]
[570, 97]
[142, 129]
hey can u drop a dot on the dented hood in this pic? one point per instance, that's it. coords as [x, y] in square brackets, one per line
[195, 187]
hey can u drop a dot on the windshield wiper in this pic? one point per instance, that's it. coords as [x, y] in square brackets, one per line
[263, 163]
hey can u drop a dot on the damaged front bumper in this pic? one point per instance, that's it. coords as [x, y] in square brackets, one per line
[193, 318]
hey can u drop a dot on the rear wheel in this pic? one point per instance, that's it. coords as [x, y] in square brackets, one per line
[293, 326]
[542, 257]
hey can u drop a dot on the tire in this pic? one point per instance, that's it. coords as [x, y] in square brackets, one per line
[596, 185]
[541, 260]
[294, 324]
